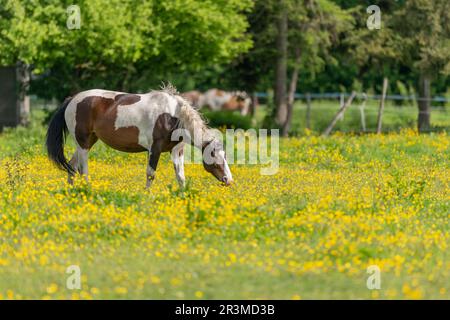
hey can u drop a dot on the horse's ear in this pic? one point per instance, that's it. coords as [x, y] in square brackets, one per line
[241, 95]
[244, 94]
[182, 101]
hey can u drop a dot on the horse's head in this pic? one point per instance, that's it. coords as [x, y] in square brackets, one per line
[243, 101]
[214, 161]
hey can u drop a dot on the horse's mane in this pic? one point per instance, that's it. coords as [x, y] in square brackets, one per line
[190, 118]
[169, 88]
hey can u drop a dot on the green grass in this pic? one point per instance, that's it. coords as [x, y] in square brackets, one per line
[336, 206]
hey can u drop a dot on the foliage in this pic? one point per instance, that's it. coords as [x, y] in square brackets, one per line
[315, 27]
[355, 53]
[121, 44]
[228, 119]
[413, 39]
[423, 39]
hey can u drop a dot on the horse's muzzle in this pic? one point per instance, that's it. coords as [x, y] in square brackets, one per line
[226, 180]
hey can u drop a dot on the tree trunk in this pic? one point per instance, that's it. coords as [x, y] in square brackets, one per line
[254, 105]
[361, 110]
[291, 95]
[281, 68]
[23, 100]
[424, 103]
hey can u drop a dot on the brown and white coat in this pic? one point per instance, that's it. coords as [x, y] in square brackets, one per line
[216, 100]
[132, 123]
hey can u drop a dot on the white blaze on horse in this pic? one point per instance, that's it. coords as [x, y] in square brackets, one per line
[216, 100]
[133, 123]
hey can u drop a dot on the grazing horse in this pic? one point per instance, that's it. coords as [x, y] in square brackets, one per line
[216, 100]
[133, 123]
[194, 97]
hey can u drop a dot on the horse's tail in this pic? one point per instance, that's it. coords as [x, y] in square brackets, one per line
[56, 137]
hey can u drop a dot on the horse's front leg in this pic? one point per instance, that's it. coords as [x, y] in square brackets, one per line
[154, 155]
[177, 155]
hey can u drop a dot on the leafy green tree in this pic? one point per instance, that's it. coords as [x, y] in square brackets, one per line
[121, 44]
[415, 36]
[305, 32]
[23, 34]
[254, 70]
[422, 40]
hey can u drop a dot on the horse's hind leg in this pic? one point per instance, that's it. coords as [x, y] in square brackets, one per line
[79, 160]
[74, 164]
[79, 163]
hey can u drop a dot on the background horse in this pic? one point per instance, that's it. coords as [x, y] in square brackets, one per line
[133, 123]
[194, 98]
[216, 100]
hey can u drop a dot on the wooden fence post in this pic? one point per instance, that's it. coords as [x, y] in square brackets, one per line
[361, 110]
[308, 111]
[341, 104]
[381, 109]
[339, 114]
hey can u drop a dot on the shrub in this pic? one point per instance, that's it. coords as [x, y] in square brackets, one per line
[228, 119]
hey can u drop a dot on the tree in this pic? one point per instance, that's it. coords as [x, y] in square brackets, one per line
[293, 39]
[123, 45]
[306, 30]
[415, 36]
[252, 70]
[423, 41]
[22, 35]
[281, 64]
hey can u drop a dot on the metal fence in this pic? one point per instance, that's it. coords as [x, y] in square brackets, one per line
[315, 111]
[339, 95]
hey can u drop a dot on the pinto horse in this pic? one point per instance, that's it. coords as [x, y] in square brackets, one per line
[216, 100]
[133, 123]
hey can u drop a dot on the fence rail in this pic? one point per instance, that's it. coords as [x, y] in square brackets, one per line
[337, 95]
[327, 112]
